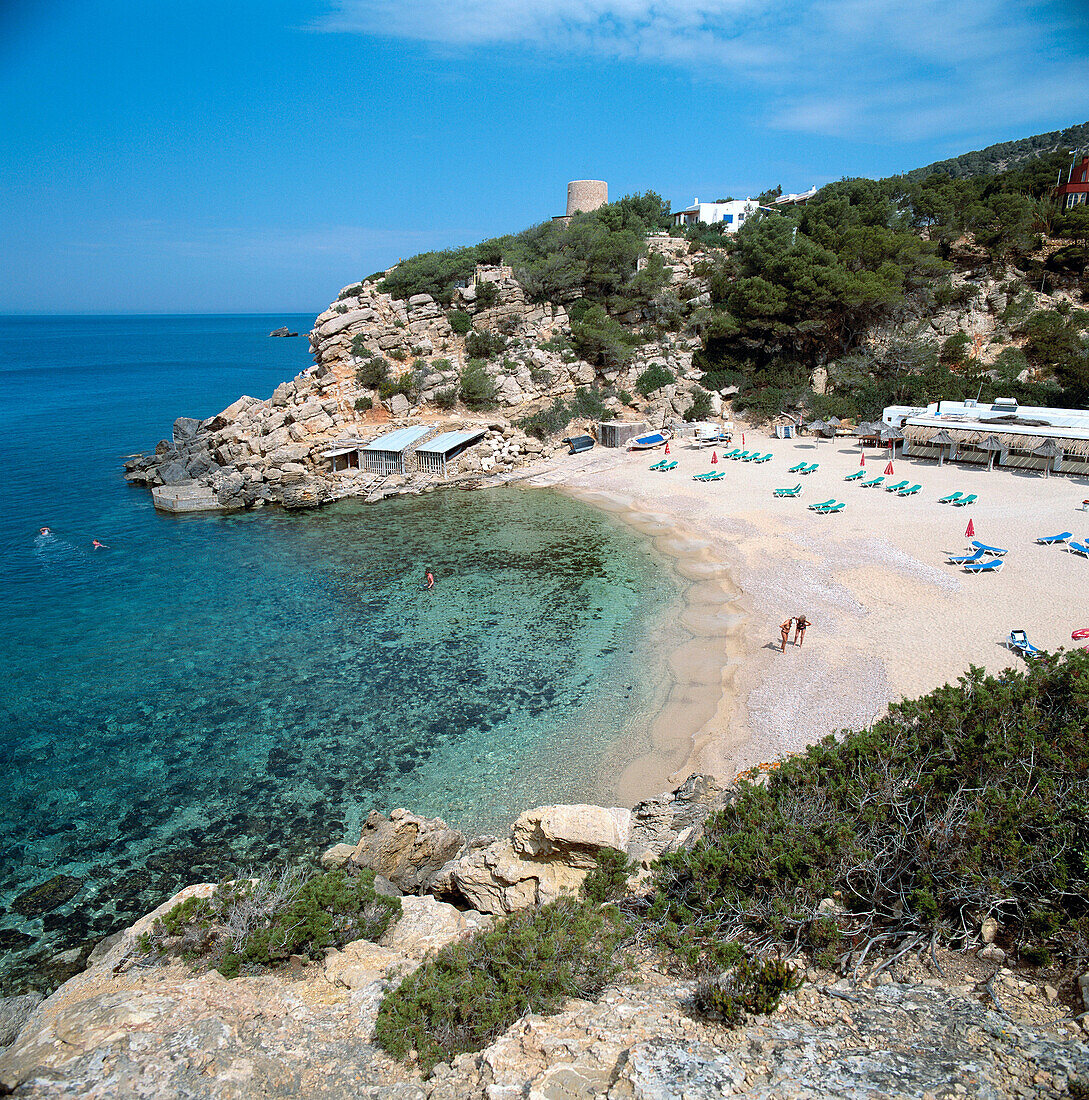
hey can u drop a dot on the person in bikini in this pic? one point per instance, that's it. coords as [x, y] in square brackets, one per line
[800, 623]
[784, 633]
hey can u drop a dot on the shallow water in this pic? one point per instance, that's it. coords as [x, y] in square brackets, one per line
[215, 692]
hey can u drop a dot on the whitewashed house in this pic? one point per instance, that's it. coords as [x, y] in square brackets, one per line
[733, 213]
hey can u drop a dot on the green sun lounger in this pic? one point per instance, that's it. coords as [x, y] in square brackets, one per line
[971, 498]
[897, 487]
[872, 484]
[733, 454]
[810, 469]
[823, 504]
[856, 476]
[832, 508]
[659, 464]
[909, 492]
[951, 499]
[763, 458]
[662, 467]
[797, 469]
[711, 475]
[795, 492]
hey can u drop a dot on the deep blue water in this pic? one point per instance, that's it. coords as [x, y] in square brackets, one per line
[216, 692]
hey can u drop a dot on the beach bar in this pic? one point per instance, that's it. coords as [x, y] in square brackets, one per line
[386, 454]
[615, 433]
[1027, 437]
[432, 456]
[343, 454]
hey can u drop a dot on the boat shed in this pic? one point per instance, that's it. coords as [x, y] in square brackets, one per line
[615, 433]
[1001, 434]
[432, 456]
[386, 454]
[343, 454]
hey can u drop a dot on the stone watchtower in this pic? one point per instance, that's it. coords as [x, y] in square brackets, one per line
[586, 195]
[582, 197]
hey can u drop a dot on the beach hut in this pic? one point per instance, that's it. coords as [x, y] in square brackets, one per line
[616, 433]
[386, 454]
[942, 440]
[432, 456]
[1049, 451]
[343, 455]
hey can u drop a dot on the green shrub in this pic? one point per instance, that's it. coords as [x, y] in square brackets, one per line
[265, 921]
[364, 404]
[955, 350]
[548, 421]
[626, 398]
[350, 291]
[487, 293]
[752, 989]
[653, 378]
[608, 878]
[476, 388]
[460, 321]
[372, 373]
[359, 347]
[440, 364]
[700, 409]
[446, 398]
[484, 345]
[399, 354]
[600, 339]
[588, 403]
[474, 989]
[970, 799]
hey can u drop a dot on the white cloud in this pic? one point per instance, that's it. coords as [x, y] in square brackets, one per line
[874, 68]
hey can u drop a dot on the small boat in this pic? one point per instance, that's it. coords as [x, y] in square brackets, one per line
[579, 443]
[646, 442]
[710, 439]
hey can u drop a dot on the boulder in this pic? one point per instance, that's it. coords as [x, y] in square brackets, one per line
[398, 404]
[359, 964]
[673, 820]
[426, 924]
[407, 849]
[185, 429]
[570, 834]
[283, 332]
[14, 1012]
[173, 473]
[307, 493]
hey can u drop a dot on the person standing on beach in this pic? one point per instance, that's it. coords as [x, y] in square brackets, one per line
[799, 629]
[784, 633]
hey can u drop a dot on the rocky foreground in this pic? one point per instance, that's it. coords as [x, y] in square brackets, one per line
[946, 1025]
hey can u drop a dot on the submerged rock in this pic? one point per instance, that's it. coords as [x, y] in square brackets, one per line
[47, 896]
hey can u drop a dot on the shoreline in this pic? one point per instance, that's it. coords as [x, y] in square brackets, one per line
[891, 619]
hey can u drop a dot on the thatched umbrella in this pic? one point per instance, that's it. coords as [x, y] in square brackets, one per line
[817, 427]
[993, 444]
[1050, 450]
[890, 436]
[834, 422]
[943, 440]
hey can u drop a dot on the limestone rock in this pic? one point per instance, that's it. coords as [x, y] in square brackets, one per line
[360, 963]
[309, 493]
[14, 1012]
[407, 849]
[337, 856]
[426, 924]
[671, 821]
[185, 429]
[988, 930]
[570, 834]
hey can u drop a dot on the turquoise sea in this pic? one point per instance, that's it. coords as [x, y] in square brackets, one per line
[211, 693]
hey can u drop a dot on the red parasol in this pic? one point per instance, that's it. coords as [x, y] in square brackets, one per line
[970, 530]
[862, 461]
[742, 439]
[714, 458]
[667, 447]
[888, 469]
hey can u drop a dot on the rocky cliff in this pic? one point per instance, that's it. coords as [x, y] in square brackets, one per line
[947, 1025]
[258, 452]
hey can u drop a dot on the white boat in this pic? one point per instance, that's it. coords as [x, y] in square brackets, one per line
[646, 442]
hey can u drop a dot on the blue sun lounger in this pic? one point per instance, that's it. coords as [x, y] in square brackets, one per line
[872, 484]
[856, 476]
[951, 499]
[829, 509]
[797, 469]
[971, 498]
[1019, 643]
[1078, 548]
[763, 458]
[992, 565]
[909, 492]
[812, 468]
[795, 492]
[897, 487]
[1051, 540]
[988, 549]
[967, 559]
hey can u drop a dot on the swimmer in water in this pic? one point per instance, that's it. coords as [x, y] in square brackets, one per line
[99, 545]
[45, 531]
[430, 578]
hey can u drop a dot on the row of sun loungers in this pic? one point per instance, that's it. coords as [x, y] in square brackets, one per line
[804, 468]
[959, 500]
[827, 507]
[746, 456]
[1067, 541]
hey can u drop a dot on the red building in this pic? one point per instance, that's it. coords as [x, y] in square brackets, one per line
[1076, 188]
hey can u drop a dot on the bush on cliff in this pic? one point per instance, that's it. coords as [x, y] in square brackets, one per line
[474, 989]
[484, 345]
[372, 372]
[476, 387]
[460, 321]
[969, 801]
[266, 920]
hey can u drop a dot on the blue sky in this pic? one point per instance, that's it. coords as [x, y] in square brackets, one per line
[240, 156]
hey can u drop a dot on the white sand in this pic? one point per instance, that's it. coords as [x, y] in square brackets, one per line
[890, 618]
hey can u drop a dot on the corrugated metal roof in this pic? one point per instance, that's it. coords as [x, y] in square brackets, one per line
[448, 441]
[397, 441]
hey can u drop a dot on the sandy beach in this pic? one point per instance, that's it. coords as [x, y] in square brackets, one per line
[890, 619]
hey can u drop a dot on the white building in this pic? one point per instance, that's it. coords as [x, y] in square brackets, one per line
[1028, 437]
[732, 213]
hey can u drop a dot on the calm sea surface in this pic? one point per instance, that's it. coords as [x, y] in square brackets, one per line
[216, 692]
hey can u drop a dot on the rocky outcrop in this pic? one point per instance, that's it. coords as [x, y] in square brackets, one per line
[406, 849]
[284, 331]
